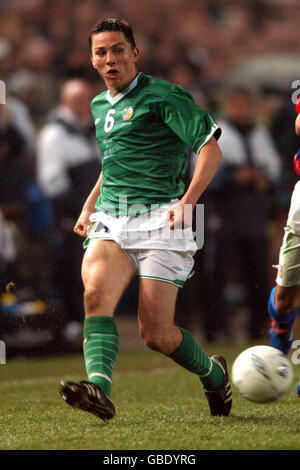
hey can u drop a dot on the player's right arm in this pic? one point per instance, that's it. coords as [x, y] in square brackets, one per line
[88, 208]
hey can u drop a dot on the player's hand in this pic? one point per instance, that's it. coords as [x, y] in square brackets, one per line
[180, 215]
[82, 224]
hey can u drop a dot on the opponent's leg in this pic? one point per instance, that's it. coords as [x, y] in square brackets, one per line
[284, 299]
[106, 273]
[156, 320]
[283, 306]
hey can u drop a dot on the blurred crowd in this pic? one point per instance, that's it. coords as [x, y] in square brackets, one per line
[48, 152]
[43, 43]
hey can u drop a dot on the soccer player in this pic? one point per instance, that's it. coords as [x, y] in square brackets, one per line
[284, 301]
[144, 128]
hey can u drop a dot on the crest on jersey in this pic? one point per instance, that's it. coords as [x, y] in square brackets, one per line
[127, 113]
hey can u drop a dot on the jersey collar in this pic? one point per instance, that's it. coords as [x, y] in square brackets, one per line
[114, 99]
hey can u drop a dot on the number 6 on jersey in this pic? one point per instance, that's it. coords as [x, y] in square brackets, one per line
[109, 120]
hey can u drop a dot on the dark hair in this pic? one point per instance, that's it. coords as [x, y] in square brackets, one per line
[114, 24]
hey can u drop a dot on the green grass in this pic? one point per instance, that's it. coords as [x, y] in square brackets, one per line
[159, 406]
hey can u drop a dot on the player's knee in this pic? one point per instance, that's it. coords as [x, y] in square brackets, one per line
[154, 343]
[93, 301]
[153, 340]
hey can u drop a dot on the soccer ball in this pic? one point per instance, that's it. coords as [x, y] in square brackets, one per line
[262, 374]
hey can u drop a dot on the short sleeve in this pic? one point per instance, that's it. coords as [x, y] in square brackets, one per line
[187, 120]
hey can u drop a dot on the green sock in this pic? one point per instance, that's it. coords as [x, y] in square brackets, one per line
[190, 356]
[100, 347]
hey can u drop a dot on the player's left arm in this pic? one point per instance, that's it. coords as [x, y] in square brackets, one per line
[209, 158]
[197, 130]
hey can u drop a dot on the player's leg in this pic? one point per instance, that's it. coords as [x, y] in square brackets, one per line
[284, 299]
[106, 272]
[156, 320]
[283, 306]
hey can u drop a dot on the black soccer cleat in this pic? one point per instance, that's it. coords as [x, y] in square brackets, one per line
[220, 398]
[87, 396]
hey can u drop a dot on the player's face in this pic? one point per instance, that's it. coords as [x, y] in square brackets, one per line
[115, 59]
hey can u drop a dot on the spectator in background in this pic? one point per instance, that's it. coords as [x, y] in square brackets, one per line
[238, 209]
[7, 258]
[15, 179]
[214, 35]
[20, 116]
[15, 109]
[68, 165]
[13, 175]
[32, 81]
[21, 201]
[7, 248]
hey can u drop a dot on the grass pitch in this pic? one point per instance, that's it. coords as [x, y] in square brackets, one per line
[160, 406]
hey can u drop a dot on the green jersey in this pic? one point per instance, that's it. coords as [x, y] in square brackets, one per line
[144, 134]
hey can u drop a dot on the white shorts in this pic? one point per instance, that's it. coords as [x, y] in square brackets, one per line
[294, 212]
[156, 251]
[289, 257]
[288, 273]
[169, 266]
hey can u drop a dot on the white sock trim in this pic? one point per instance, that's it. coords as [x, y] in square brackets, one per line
[99, 374]
[210, 369]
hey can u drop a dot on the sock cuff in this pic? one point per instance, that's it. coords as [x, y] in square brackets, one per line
[185, 343]
[99, 324]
